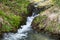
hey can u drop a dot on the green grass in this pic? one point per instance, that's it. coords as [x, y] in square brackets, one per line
[18, 6]
[9, 13]
[10, 21]
[40, 19]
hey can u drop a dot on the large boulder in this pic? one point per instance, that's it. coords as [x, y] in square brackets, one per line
[49, 21]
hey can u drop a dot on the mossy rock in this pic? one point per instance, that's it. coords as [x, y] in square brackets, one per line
[56, 2]
[40, 3]
[48, 20]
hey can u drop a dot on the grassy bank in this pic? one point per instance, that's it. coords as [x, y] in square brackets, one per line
[11, 14]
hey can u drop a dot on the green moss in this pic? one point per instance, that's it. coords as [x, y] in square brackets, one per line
[56, 2]
[58, 26]
[40, 19]
[49, 28]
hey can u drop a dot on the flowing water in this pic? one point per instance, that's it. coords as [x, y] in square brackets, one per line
[22, 32]
[26, 32]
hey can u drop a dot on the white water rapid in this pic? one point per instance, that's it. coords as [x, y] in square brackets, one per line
[22, 32]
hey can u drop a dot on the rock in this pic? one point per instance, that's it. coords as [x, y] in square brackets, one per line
[49, 20]
[41, 2]
[37, 6]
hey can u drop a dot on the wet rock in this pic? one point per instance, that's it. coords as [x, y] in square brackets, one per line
[32, 9]
[39, 36]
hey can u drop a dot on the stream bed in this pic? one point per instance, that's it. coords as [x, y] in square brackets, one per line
[33, 35]
[26, 32]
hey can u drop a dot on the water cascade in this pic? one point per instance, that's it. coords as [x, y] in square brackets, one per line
[22, 32]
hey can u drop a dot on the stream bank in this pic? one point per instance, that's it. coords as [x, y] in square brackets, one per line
[12, 15]
[48, 22]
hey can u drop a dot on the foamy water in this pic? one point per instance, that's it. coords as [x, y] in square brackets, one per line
[22, 32]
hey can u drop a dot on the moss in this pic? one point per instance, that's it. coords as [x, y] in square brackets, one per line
[46, 24]
[59, 26]
[49, 28]
[56, 2]
[40, 18]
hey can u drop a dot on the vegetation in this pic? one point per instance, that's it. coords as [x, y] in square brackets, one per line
[9, 21]
[17, 6]
[48, 20]
[10, 14]
[56, 2]
[41, 20]
[46, 24]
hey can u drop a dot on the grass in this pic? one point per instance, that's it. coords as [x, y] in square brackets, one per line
[10, 11]
[40, 19]
[17, 6]
[10, 21]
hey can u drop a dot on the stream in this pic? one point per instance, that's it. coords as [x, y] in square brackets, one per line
[22, 32]
[26, 32]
